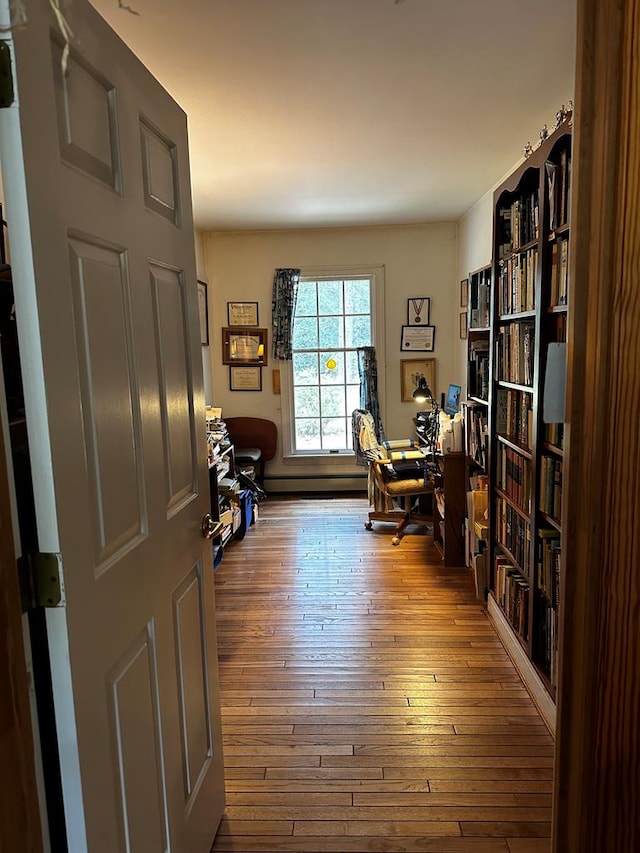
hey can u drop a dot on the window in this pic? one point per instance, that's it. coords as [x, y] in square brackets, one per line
[334, 315]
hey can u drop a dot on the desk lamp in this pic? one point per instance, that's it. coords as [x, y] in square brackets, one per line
[432, 420]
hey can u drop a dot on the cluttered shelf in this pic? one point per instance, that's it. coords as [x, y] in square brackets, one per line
[234, 493]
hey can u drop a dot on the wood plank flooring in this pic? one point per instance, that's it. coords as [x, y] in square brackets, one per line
[367, 702]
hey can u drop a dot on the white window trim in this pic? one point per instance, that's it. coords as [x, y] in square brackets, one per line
[377, 275]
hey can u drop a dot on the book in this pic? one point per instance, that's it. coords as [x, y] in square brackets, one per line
[551, 171]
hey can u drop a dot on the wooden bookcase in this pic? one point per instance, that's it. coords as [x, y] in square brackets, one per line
[525, 454]
[449, 508]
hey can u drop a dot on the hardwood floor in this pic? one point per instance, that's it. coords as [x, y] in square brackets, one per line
[367, 702]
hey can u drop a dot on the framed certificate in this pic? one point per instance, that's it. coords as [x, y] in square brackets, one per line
[245, 379]
[417, 338]
[242, 313]
[242, 345]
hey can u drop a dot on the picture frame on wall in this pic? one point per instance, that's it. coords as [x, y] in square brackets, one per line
[242, 313]
[463, 325]
[245, 378]
[418, 308]
[411, 371]
[464, 292]
[417, 338]
[203, 312]
[244, 345]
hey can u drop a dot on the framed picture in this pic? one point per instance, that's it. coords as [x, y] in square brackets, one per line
[245, 346]
[203, 310]
[464, 292]
[463, 325]
[411, 371]
[418, 310]
[242, 313]
[417, 338]
[245, 379]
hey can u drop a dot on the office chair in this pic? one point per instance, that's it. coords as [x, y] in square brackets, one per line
[398, 477]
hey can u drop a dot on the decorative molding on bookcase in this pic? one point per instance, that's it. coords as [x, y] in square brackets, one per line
[526, 669]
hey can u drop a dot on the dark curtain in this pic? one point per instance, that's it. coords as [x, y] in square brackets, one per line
[283, 306]
[368, 372]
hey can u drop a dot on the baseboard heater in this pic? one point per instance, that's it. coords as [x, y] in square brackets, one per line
[316, 483]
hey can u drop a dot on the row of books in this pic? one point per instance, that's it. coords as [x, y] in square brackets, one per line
[559, 273]
[519, 223]
[480, 303]
[478, 369]
[513, 476]
[554, 434]
[517, 285]
[515, 353]
[548, 564]
[514, 415]
[514, 532]
[559, 190]
[477, 434]
[551, 486]
[545, 638]
[512, 594]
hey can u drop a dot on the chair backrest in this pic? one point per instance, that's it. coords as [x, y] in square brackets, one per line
[254, 432]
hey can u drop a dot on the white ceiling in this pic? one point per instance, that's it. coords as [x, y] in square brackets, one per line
[319, 113]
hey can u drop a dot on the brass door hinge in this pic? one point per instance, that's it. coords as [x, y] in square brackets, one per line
[40, 580]
[7, 95]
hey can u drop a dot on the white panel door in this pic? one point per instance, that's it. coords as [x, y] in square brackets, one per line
[96, 176]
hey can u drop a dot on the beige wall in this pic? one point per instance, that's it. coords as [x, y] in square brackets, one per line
[474, 236]
[418, 261]
[201, 272]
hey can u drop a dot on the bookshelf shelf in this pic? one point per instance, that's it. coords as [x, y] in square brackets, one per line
[517, 315]
[514, 445]
[478, 401]
[513, 504]
[526, 455]
[507, 553]
[551, 448]
[549, 519]
[515, 386]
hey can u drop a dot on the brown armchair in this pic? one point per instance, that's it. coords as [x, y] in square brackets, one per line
[255, 441]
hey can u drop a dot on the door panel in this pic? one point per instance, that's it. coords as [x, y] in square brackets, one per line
[110, 403]
[189, 613]
[135, 733]
[174, 371]
[102, 244]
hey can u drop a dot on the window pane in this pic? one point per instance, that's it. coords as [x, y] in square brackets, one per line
[331, 368]
[357, 331]
[353, 398]
[305, 368]
[329, 297]
[331, 332]
[332, 319]
[308, 434]
[305, 333]
[357, 297]
[306, 303]
[307, 401]
[334, 436]
[352, 367]
[333, 403]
